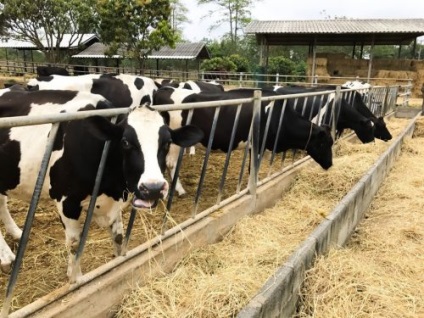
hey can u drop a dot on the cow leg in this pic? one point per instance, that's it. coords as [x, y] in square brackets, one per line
[8, 222]
[108, 214]
[6, 256]
[171, 163]
[192, 151]
[73, 231]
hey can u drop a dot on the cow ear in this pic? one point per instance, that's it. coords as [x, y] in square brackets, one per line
[186, 136]
[367, 123]
[103, 129]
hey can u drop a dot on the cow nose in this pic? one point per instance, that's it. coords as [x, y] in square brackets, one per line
[153, 190]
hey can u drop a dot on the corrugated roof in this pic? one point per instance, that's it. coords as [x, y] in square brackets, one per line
[337, 26]
[17, 44]
[182, 51]
[97, 50]
[338, 31]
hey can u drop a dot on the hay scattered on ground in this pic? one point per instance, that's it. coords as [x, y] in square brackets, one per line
[219, 279]
[380, 272]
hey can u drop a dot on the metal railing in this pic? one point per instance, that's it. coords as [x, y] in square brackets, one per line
[269, 168]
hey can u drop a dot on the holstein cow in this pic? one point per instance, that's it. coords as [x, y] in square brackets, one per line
[134, 168]
[361, 91]
[296, 132]
[349, 117]
[200, 86]
[166, 82]
[50, 70]
[123, 90]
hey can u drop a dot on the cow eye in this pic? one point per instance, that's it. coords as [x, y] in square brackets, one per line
[125, 144]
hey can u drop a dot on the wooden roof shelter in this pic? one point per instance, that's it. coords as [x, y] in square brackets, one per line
[337, 32]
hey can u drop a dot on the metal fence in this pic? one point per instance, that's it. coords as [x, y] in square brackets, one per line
[255, 165]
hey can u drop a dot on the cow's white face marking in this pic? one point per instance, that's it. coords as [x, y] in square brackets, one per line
[147, 123]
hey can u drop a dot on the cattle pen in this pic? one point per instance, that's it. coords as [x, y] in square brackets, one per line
[197, 228]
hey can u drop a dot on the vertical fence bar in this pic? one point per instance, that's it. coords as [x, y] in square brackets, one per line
[205, 161]
[228, 155]
[91, 205]
[280, 123]
[29, 220]
[177, 169]
[335, 110]
[254, 159]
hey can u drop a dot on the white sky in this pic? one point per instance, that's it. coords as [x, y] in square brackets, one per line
[302, 10]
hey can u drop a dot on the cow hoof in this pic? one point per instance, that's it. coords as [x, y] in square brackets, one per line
[16, 235]
[6, 267]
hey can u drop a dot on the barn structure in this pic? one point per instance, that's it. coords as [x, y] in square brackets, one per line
[182, 51]
[70, 43]
[356, 33]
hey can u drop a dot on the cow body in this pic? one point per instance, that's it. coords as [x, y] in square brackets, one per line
[348, 118]
[51, 70]
[139, 143]
[296, 132]
[200, 86]
[123, 90]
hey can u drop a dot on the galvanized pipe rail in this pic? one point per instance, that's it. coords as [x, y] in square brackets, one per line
[255, 161]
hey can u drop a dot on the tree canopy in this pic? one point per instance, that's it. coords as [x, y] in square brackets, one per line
[45, 22]
[140, 26]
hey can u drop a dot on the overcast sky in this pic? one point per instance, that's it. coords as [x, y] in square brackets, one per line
[303, 10]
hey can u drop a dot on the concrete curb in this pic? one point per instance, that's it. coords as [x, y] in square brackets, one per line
[279, 295]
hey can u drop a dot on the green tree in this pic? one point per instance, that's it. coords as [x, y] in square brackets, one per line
[281, 65]
[218, 64]
[45, 22]
[234, 12]
[242, 64]
[139, 26]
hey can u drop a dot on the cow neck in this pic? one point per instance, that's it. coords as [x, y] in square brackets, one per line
[309, 137]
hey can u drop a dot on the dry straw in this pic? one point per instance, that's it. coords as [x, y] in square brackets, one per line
[380, 272]
[199, 286]
[218, 280]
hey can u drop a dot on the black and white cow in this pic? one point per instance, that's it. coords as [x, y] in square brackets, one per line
[296, 132]
[348, 118]
[123, 90]
[200, 86]
[134, 167]
[360, 94]
[51, 70]
[166, 82]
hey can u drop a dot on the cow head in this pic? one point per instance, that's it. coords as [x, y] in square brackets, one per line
[144, 141]
[319, 145]
[365, 130]
[381, 131]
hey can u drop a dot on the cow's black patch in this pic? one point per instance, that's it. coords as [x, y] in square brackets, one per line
[10, 156]
[139, 83]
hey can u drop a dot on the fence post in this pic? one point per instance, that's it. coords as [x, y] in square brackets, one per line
[240, 79]
[277, 78]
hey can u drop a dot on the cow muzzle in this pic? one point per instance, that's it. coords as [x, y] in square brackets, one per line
[149, 193]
